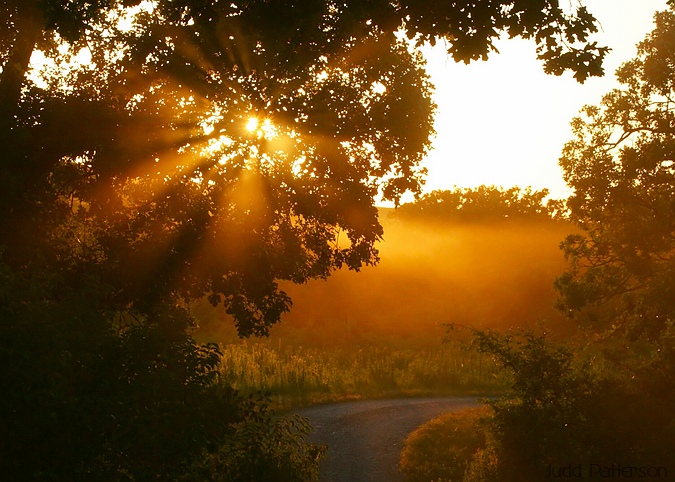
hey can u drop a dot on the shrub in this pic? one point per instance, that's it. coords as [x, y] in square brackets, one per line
[442, 448]
[562, 410]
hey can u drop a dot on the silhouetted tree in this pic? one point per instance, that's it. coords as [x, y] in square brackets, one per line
[609, 400]
[209, 148]
[484, 203]
[621, 166]
[153, 141]
[621, 281]
[565, 409]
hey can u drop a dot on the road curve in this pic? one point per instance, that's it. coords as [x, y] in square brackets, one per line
[365, 438]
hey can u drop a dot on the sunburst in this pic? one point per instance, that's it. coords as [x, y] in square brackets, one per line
[252, 124]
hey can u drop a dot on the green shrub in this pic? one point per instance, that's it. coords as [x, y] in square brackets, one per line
[442, 448]
[564, 411]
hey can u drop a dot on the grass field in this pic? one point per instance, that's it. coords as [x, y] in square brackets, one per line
[297, 375]
[379, 332]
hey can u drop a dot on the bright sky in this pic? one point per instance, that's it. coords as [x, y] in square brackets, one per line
[504, 122]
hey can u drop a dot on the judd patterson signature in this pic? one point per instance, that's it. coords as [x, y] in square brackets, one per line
[601, 471]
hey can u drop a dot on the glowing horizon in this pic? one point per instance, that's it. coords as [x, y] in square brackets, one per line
[504, 122]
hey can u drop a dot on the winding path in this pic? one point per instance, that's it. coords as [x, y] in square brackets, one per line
[365, 438]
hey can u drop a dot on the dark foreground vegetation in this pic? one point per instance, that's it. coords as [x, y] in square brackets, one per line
[174, 150]
[600, 405]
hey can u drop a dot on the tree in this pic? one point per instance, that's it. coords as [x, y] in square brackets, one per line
[96, 395]
[621, 281]
[621, 166]
[484, 203]
[155, 145]
[564, 409]
[209, 148]
[579, 406]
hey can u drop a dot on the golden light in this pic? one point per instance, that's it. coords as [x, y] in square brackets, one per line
[265, 129]
[378, 88]
[216, 146]
[268, 129]
[252, 124]
[501, 100]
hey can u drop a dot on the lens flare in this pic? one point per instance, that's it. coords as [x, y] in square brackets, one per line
[252, 124]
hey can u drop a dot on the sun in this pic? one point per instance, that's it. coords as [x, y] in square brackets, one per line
[263, 130]
[252, 124]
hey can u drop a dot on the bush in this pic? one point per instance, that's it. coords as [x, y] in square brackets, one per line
[442, 448]
[90, 395]
[262, 447]
[562, 410]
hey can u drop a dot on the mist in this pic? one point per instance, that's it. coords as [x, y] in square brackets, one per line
[495, 274]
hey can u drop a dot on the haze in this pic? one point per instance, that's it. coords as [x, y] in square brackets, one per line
[480, 275]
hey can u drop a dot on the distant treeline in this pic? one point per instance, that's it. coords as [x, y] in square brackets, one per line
[484, 203]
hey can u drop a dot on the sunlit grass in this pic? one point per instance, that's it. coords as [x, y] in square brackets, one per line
[442, 448]
[297, 375]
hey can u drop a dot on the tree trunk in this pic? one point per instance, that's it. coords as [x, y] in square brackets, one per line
[28, 23]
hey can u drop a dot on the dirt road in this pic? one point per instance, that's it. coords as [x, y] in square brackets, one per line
[365, 438]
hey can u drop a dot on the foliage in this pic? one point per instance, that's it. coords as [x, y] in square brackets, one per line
[117, 398]
[441, 449]
[263, 447]
[607, 402]
[564, 409]
[470, 27]
[151, 147]
[209, 148]
[621, 282]
[540, 421]
[150, 154]
[620, 164]
[484, 203]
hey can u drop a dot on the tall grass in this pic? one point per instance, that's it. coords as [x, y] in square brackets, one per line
[297, 375]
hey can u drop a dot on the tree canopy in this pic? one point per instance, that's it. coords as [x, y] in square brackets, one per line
[483, 204]
[621, 166]
[220, 147]
[200, 148]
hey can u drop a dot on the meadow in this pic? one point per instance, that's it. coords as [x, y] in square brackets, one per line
[381, 332]
[296, 375]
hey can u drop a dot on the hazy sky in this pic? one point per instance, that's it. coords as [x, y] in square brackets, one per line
[504, 121]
